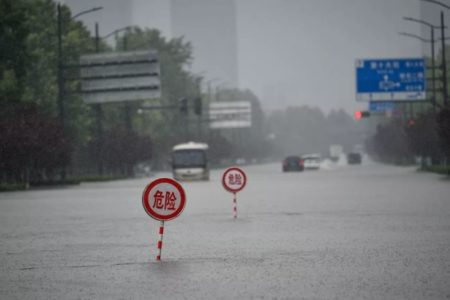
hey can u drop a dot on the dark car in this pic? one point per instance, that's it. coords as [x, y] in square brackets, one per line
[293, 163]
[354, 158]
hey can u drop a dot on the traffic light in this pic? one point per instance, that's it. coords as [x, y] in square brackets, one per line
[183, 106]
[361, 114]
[198, 106]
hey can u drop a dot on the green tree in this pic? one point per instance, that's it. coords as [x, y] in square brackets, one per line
[13, 54]
[28, 68]
[423, 138]
[174, 55]
[390, 143]
[443, 123]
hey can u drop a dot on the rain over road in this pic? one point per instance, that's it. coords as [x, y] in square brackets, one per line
[343, 232]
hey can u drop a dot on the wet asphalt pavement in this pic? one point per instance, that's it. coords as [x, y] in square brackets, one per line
[343, 232]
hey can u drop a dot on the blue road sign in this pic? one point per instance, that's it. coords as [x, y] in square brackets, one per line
[390, 79]
[381, 106]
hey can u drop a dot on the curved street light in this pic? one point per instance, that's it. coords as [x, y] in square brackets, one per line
[438, 3]
[86, 11]
[98, 37]
[416, 37]
[117, 31]
[421, 22]
[421, 38]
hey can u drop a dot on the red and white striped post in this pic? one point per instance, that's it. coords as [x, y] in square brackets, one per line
[234, 180]
[234, 206]
[160, 242]
[163, 200]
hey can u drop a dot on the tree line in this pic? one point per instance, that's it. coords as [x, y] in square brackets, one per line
[404, 140]
[417, 131]
[36, 146]
[303, 129]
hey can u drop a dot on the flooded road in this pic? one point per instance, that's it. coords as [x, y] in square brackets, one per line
[346, 232]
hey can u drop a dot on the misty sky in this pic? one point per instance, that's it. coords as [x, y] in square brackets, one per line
[295, 52]
[303, 52]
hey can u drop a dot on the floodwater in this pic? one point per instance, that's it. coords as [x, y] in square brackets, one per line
[343, 232]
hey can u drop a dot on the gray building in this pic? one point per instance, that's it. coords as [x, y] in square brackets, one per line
[210, 25]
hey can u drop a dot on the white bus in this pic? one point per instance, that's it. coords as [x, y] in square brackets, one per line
[190, 161]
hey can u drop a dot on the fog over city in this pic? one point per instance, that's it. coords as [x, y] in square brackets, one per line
[287, 50]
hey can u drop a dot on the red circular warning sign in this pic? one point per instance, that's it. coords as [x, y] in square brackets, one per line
[163, 199]
[234, 179]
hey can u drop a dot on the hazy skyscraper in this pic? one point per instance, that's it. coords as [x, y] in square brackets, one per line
[210, 25]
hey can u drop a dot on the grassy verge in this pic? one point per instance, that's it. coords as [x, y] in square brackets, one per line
[439, 169]
[9, 187]
[100, 178]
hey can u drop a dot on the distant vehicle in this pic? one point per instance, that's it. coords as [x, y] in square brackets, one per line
[142, 169]
[293, 163]
[354, 158]
[335, 152]
[311, 161]
[241, 161]
[190, 161]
